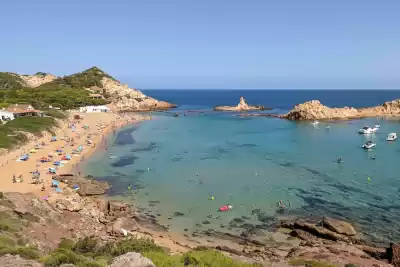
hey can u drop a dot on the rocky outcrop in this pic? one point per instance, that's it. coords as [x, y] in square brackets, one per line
[242, 106]
[339, 226]
[132, 259]
[124, 98]
[87, 187]
[314, 110]
[37, 79]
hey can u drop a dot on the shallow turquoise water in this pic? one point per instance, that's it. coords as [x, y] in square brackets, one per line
[251, 163]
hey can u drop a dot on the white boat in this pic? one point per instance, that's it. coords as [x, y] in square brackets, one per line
[391, 137]
[368, 130]
[315, 123]
[377, 126]
[368, 145]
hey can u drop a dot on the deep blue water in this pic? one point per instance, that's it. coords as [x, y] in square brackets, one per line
[178, 164]
[280, 99]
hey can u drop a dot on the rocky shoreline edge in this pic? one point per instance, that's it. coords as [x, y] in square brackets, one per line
[86, 212]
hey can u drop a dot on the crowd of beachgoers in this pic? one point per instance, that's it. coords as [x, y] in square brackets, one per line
[30, 168]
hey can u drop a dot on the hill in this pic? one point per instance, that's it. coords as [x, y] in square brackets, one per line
[89, 87]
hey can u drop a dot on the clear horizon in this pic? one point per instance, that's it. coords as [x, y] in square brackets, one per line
[209, 44]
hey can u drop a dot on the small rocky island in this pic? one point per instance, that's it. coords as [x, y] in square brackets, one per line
[314, 110]
[242, 106]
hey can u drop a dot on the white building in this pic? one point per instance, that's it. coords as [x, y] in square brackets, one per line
[90, 109]
[6, 115]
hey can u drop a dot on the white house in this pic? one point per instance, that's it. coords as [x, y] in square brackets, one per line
[90, 109]
[18, 111]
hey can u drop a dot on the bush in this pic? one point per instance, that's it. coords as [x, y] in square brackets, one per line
[62, 256]
[135, 245]
[7, 241]
[58, 114]
[66, 243]
[211, 258]
[24, 252]
[161, 259]
[85, 245]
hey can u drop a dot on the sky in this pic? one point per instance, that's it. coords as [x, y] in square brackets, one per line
[221, 44]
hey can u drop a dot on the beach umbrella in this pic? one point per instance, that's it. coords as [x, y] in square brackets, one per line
[58, 190]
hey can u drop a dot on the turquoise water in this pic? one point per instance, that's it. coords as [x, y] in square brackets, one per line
[176, 164]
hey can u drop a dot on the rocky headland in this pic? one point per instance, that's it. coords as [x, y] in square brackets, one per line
[94, 82]
[314, 110]
[241, 107]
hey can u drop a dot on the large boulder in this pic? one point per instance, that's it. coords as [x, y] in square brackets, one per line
[339, 226]
[132, 259]
[70, 203]
[121, 226]
[318, 231]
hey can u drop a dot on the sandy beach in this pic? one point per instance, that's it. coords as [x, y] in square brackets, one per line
[89, 132]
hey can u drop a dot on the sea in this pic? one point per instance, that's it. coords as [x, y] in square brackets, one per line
[180, 170]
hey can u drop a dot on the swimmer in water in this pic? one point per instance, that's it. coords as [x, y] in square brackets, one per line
[281, 205]
[197, 174]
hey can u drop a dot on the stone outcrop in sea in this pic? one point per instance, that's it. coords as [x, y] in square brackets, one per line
[242, 106]
[314, 110]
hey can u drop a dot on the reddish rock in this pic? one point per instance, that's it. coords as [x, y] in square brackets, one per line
[339, 226]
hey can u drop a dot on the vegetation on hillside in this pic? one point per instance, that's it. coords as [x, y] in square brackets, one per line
[84, 79]
[49, 94]
[87, 252]
[10, 81]
[12, 133]
[67, 92]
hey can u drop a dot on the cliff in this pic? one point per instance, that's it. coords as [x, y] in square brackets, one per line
[314, 110]
[242, 106]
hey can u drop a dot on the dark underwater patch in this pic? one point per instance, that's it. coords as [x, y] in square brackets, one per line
[147, 148]
[125, 137]
[124, 161]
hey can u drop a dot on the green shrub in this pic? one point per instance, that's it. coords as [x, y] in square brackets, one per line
[211, 258]
[106, 249]
[66, 243]
[92, 264]
[7, 241]
[10, 81]
[58, 114]
[135, 245]
[24, 252]
[62, 256]
[161, 259]
[85, 245]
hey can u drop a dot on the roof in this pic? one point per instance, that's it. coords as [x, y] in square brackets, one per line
[95, 95]
[22, 106]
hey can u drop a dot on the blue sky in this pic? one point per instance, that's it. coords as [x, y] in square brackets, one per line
[187, 44]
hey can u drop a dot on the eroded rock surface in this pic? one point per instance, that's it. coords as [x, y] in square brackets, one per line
[314, 110]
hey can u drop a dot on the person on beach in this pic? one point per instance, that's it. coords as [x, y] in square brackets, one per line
[14, 180]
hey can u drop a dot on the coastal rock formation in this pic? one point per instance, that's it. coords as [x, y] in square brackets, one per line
[314, 110]
[37, 80]
[124, 98]
[242, 106]
[87, 187]
[132, 259]
[339, 227]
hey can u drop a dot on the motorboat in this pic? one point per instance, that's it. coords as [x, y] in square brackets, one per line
[315, 123]
[368, 130]
[368, 145]
[377, 126]
[391, 137]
